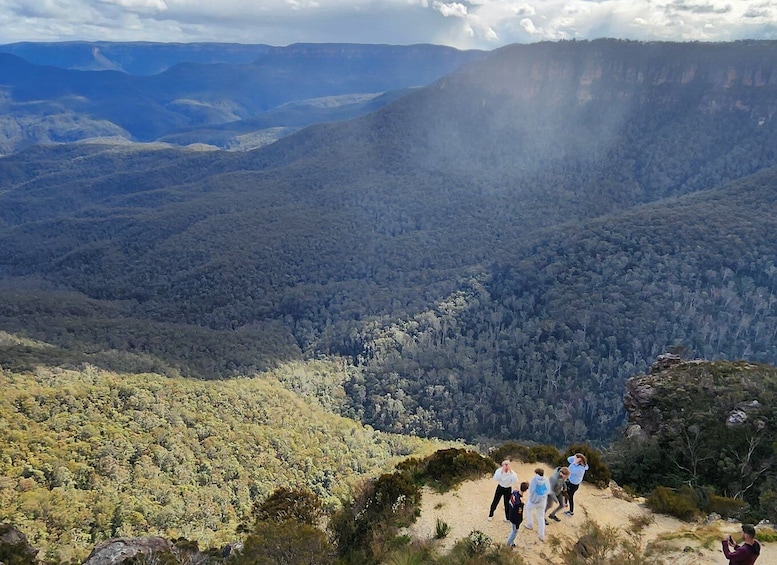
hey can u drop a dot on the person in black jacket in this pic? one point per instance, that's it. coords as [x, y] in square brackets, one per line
[516, 512]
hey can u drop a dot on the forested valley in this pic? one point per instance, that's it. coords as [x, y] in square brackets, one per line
[494, 254]
[489, 258]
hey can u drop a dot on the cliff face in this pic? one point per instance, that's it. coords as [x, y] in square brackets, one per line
[676, 394]
[713, 77]
[704, 424]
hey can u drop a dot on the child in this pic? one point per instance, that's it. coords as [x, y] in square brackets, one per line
[516, 512]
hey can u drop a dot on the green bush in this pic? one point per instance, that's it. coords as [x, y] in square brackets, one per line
[598, 473]
[446, 468]
[526, 453]
[366, 527]
[441, 529]
[478, 542]
[289, 504]
[725, 506]
[289, 542]
[415, 466]
[766, 534]
[768, 502]
[680, 504]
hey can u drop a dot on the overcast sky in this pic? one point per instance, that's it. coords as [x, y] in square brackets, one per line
[484, 24]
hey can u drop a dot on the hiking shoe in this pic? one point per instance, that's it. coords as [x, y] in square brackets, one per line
[556, 518]
[568, 513]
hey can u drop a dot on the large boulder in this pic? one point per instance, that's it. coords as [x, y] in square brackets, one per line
[14, 542]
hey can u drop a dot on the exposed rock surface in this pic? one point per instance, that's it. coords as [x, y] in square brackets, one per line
[12, 539]
[116, 550]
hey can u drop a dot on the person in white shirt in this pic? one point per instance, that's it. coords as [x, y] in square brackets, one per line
[505, 478]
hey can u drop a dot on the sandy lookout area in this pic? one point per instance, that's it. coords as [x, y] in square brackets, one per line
[466, 509]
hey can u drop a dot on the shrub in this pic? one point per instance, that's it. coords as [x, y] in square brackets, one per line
[603, 545]
[725, 506]
[598, 473]
[289, 542]
[415, 466]
[527, 453]
[448, 467]
[289, 504]
[680, 504]
[766, 535]
[416, 552]
[768, 501]
[441, 529]
[365, 528]
[478, 542]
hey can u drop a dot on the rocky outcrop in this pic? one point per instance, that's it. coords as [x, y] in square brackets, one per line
[117, 550]
[664, 362]
[14, 542]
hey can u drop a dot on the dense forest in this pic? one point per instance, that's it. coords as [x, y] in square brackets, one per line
[86, 455]
[493, 254]
[562, 330]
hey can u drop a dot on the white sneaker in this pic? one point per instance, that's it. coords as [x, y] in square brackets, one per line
[490, 518]
[528, 527]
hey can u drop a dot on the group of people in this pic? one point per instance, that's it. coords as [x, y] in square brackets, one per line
[534, 499]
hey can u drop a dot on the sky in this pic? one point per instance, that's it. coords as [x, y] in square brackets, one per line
[473, 24]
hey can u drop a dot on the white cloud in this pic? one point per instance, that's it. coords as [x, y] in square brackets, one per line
[452, 9]
[529, 26]
[138, 5]
[461, 23]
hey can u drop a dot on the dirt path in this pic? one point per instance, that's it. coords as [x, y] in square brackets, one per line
[466, 509]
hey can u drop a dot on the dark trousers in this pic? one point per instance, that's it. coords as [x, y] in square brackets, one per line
[504, 493]
[571, 490]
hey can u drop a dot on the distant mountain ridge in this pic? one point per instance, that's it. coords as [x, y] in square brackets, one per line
[135, 58]
[40, 103]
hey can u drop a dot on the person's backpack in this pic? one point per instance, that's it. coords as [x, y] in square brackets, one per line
[515, 514]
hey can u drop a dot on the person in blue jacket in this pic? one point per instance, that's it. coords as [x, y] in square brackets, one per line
[578, 465]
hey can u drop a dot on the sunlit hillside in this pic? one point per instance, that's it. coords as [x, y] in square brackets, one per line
[88, 454]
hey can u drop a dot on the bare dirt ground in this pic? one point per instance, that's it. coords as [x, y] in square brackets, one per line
[466, 509]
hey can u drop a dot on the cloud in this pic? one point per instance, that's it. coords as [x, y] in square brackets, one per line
[460, 23]
[138, 5]
[452, 9]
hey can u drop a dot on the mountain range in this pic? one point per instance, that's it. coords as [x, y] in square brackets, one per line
[494, 253]
[57, 96]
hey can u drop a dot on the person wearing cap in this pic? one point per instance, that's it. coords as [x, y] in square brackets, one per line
[505, 478]
[745, 554]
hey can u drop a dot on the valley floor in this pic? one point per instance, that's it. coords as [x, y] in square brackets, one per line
[466, 509]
